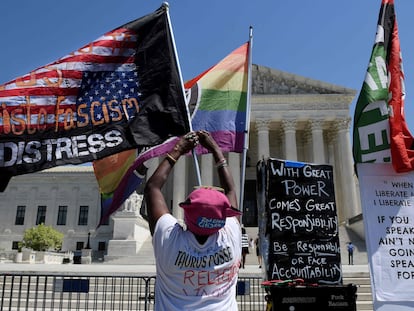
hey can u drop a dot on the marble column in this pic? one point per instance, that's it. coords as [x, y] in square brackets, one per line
[305, 152]
[330, 137]
[179, 185]
[263, 148]
[333, 159]
[234, 166]
[351, 206]
[207, 169]
[289, 128]
[318, 150]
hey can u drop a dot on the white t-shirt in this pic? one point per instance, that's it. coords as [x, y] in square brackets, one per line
[194, 276]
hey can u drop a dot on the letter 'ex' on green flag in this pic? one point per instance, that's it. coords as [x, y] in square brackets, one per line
[381, 133]
[122, 91]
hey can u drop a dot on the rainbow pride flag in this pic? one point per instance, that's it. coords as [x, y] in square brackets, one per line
[219, 98]
[217, 101]
[110, 170]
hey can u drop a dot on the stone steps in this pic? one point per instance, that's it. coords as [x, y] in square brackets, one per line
[364, 294]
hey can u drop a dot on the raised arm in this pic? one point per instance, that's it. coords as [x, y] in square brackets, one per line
[225, 176]
[155, 200]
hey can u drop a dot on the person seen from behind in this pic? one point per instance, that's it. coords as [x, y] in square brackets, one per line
[197, 268]
[245, 246]
[350, 248]
[259, 256]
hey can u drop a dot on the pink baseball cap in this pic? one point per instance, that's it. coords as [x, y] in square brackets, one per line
[206, 210]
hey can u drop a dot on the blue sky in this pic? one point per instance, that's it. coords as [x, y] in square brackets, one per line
[325, 40]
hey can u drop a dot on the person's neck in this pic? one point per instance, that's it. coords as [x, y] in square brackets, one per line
[201, 238]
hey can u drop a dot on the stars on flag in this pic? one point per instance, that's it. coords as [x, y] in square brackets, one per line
[103, 87]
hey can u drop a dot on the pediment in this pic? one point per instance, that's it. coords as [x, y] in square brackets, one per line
[268, 81]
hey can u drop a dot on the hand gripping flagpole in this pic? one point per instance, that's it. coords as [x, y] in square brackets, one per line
[197, 167]
[247, 125]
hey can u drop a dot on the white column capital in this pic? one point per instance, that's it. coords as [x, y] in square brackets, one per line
[315, 127]
[289, 125]
[263, 148]
[316, 124]
[343, 124]
[262, 124]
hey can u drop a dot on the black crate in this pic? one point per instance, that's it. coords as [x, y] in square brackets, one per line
[319, 298]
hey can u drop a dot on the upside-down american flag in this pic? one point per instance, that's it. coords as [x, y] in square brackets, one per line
[122, 91]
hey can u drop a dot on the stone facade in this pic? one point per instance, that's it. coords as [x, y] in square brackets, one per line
[55, 197]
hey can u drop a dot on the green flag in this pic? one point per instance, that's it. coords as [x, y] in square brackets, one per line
[381, 133]
[371, 127]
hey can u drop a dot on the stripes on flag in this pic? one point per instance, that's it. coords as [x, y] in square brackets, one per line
[221, 104]
[122, 91]
[31, 100]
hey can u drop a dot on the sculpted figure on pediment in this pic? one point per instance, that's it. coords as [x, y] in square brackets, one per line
[276, 82]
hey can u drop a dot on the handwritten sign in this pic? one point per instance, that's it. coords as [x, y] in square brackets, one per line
[388, 208]
[302, 222]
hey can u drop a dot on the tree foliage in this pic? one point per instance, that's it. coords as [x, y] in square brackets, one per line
[42, 238]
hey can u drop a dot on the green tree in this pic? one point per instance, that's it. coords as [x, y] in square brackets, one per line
[42, 238]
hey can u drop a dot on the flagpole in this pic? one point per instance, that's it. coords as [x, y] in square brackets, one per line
[197, 167]
[247, 125]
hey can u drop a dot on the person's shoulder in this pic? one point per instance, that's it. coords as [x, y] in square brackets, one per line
[164, 222]
[233, 224]
[234, 221]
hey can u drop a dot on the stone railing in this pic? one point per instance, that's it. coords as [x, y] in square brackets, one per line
[36, 257]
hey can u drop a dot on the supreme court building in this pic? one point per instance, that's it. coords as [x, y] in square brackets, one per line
[292, 117]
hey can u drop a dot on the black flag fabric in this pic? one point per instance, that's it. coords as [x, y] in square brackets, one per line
[122, 91]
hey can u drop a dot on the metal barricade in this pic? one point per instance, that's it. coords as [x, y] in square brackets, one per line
[92, 292]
